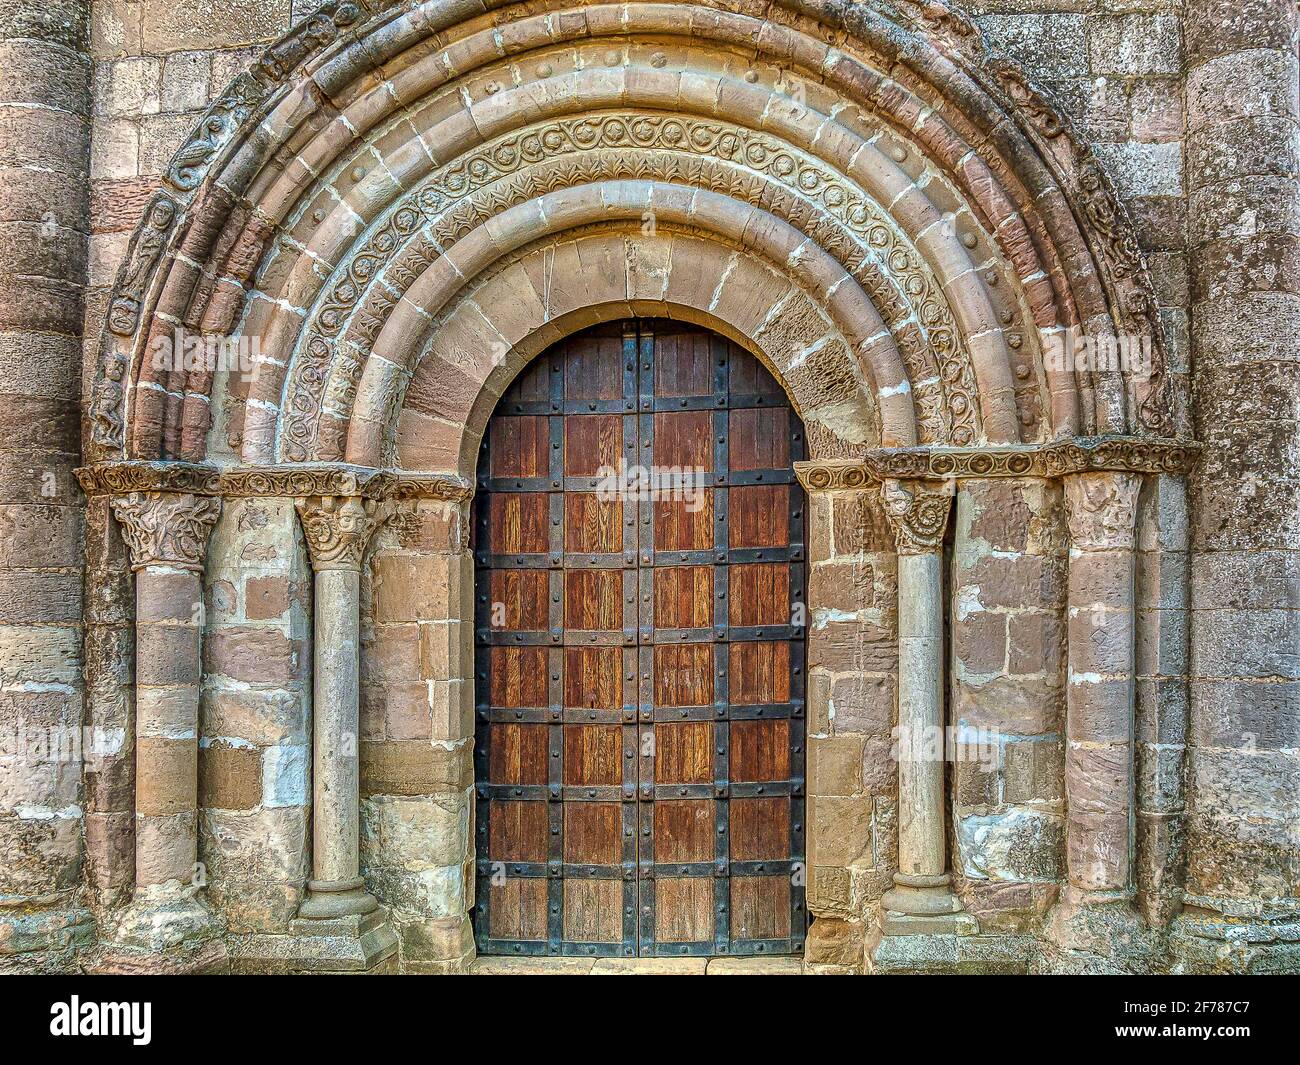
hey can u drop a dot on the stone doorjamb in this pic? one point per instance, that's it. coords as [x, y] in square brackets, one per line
[862, 477]
[919, 901]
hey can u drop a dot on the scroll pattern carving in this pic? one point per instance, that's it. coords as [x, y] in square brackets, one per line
[123, 317]
[185, 173]
[121, 478]
[918, 512]
[338, 528]
[842, 27]
[1082, 455]
[742, 164]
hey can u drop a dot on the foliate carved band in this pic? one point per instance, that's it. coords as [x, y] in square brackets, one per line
[1081, 455]
[918, 512]
[1102, 510]
[167, 528]
[338, 528]
[298, 480]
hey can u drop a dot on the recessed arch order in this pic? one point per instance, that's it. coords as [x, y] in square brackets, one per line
[400, 203]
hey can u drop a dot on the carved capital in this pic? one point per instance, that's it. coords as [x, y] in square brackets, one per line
[338, 528]
[918, 512]
[167, 528]
[1102, 509]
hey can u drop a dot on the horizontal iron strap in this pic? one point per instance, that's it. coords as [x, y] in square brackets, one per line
[536, 407]
[628, 560]
[767, 946]
[665, 792]
[762, 789]
[516, 484]
[766, 711]
[516, 948]
[597, 406]
[485, 561]
[555, 560]
[702, 870]
[569, 715]
[783, 867]
[515, 792]
[538, 870]
[733, 478]
[694, 949]
[732, 556]
[729, 789]
[664, 404]
[560, 638]
[751, 633]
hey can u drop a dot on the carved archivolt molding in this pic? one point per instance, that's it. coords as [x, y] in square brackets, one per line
[1057, 459]
[918, 513]
[842, 43]
[338, 528]
[750, 166]
[186, 172]
[321, 479]
[166, 528]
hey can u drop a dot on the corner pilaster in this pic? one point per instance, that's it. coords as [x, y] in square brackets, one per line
[167, 536]
[1097, 902]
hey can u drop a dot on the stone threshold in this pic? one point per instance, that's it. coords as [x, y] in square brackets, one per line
[785, 966]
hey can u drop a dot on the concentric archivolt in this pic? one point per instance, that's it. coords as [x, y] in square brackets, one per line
[752, 167]
[380, 170]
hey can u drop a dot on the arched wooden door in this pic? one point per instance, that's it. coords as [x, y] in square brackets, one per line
[640, 653]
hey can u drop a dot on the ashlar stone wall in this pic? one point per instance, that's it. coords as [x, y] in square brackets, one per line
[1192, 109]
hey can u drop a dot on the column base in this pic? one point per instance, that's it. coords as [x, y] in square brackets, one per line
[160, 920]
[945, 924]
[918, 952]
[353, 943]
[330, 899]
[1098, 932]
[916, 895]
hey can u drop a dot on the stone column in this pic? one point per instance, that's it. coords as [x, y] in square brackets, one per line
[922, 891]
[338, 906]
[1243, 744]
[45, 76]
[167, 535]
[1101, 511]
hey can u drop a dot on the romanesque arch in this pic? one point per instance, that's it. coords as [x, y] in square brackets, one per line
[370, 154]
[404, 203]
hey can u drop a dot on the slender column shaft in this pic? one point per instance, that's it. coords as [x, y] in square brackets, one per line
[337, 530]
[918, 511]
[167, 674]
[334, 727]
[920, 715]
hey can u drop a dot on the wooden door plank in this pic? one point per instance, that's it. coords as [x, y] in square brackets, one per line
[623, 710]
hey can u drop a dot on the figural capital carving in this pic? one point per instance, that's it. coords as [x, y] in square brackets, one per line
[918, 512]
[338, 528]
[1102, 510]
[166, 528]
